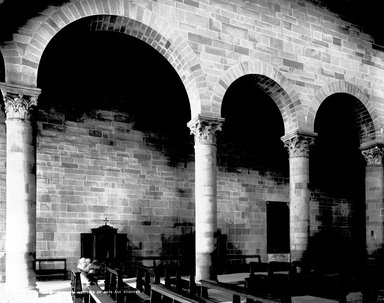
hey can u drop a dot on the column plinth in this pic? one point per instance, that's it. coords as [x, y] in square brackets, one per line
[374, 198]
[21, 190]
[204, 129]
[298, 146]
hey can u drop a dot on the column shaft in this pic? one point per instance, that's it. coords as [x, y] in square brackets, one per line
[374, 199]
[206, 208]
[204, 129]
[21, 205]
[374, 195]
[298, 146]
[21, 192]
[299, 206]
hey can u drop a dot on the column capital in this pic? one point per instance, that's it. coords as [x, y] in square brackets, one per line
[204, 129]
[298, 143]
[373, 155]
[18, 100]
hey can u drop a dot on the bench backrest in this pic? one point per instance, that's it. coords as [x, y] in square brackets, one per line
[77, 291]
[159, 290]
[113, 280]
[143, 278]
[238, 292]
[98, 295]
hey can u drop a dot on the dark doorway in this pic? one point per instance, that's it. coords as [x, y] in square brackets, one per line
[277, 228]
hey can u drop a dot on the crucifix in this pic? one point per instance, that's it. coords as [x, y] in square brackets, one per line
[105, 221]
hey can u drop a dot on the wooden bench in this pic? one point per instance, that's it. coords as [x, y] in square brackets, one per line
[79, 293]
[49, 268]
[295, 279]
[98, 295]
[159, 291]
[144, 274]
[158, 259]
[239, 292]
[116, 287]
[238, 263]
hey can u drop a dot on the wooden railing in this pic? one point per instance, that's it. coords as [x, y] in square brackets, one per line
[116, 288]
[296, 279]
[160, 293]
[98, 295]
[238, 292]
[78, 293]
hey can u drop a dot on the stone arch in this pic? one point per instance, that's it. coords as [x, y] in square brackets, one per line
[365, 113]
[272, 82]
[124, 16]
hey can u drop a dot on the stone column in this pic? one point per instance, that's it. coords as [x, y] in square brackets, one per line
[298, 146]
[204, 128]
[21, 190]
[374, 197]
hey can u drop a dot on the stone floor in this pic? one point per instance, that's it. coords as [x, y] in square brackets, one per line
[49, 292]
[54, 291]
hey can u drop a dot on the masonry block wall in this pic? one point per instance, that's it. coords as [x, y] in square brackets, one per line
[93, 169]
[90, 170]
[103, 167]
[99, 168]
[242, 210]
[309, 45]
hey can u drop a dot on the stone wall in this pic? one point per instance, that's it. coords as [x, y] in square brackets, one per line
[95, 168]
[100, 168]
[242, 199]
[303, 47]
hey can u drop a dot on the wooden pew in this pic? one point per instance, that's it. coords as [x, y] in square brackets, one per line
[158, 260]
[258, 277]
[173, 279]
[238, 292]
[54, 267]
[143, 282]
[98, 295]
[160, 293]
[295, 279]
[79, 293]
[143, 278]
[238, 263]
[116, 288]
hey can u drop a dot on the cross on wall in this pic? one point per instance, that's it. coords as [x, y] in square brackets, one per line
[106, 221]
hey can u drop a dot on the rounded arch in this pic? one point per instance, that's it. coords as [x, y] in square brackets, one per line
[122, 16]
[365, 114]
[273, 83]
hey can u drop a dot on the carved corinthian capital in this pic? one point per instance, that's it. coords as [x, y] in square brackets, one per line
[18, 100]
[204, 129]
[18, 106]
[298, 144]
[374, 155]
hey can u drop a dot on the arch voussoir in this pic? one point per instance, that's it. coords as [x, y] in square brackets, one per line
[367, 114]
[279, 88]
[135, 19]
